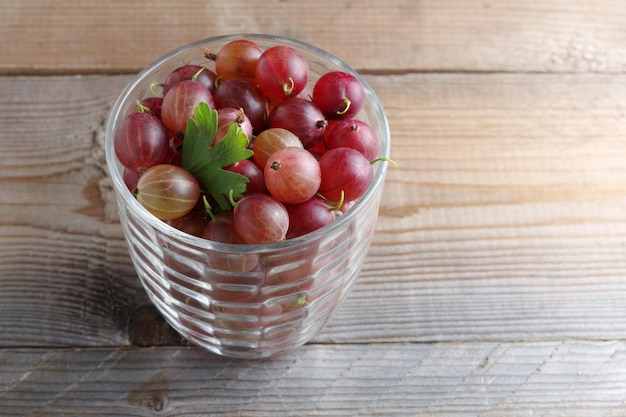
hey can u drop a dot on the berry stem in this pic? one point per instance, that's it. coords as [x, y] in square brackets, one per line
[336, 205]
[217, 80]
[231, 199]
[155, 84]
[386, 160]
[207, 208]
[347, 101]
[141, 108]
[287, 89]
[195, 76]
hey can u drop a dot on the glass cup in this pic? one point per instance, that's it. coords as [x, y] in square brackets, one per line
[247, 301]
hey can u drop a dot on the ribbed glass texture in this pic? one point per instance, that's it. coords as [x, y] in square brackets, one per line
[246, 301]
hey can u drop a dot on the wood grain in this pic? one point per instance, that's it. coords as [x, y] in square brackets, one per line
[507, 212]
[402, 36]
[64, 267]
[477, 379]
[505, 220]
[495, 283]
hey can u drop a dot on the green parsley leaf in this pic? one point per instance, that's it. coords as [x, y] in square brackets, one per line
[206, 162]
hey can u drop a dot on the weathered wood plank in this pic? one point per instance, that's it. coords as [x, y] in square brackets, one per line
[469, 379]
[505, 221]
[64, 267]
[400, 35]
[509, 204]
[500, 244]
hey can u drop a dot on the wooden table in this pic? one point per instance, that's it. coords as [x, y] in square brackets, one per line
[496, 282]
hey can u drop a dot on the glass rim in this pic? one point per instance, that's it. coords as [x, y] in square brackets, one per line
[122, 191]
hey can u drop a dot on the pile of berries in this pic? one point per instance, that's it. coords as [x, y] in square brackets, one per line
[307, 156]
